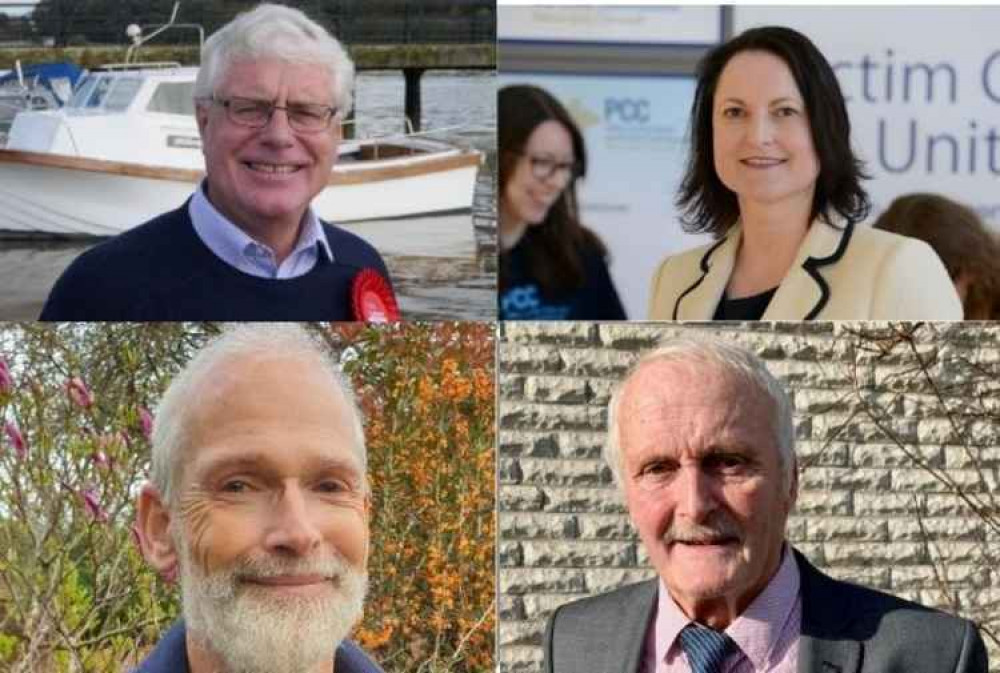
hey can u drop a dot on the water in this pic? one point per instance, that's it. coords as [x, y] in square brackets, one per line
[442, 268]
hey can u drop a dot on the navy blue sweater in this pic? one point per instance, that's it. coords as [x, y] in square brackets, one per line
[170, 656]
[161, 270]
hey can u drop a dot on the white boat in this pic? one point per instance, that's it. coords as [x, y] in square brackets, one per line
[126, 148]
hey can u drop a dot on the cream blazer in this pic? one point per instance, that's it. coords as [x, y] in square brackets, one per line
[848, 273]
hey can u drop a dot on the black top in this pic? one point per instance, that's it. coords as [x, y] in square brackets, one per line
[521, 297]
[744, 308]
[161, 270]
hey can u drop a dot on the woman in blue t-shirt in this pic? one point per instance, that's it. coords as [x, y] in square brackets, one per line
[551, 266]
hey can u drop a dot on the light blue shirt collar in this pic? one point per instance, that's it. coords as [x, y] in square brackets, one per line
[237, 249]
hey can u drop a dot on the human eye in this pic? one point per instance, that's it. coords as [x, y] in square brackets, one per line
[732, 112]
[786, 111]
[726, 463]
[545, 163]
[308, 111]
[248, 108]
[656, 472]
[235, 485]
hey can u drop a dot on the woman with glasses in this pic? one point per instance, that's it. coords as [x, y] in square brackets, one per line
[772, 176]
[551, 266]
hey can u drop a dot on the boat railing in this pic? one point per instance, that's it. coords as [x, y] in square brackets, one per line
[393, 144]
[150, 65]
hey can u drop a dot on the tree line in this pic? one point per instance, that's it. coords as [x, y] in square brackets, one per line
[81, 22]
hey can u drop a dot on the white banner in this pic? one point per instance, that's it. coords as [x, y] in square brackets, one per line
[923, 91]
[633, 25]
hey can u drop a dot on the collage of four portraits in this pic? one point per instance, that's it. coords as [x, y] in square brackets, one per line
[448, 337]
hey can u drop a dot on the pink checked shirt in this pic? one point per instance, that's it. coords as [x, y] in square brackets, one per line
[767, 633]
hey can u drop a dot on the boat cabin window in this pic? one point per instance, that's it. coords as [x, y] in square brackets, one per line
[173, 98]
[114, 94]
[122, 93]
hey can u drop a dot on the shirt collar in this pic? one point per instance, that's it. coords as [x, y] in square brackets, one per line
[756, 631]
[235, 247]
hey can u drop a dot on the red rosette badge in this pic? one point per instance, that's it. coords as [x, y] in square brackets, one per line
[372, 299]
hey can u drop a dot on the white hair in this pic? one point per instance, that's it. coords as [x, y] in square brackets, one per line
[736, 361]
[170, 429]
[275, 32]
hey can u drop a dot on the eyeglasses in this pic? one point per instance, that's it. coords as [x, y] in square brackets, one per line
[543, 168]
[256, 114]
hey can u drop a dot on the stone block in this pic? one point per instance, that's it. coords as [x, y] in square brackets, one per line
[510, 387]
[836, 478]
[526, 443]
[509, 554]
[520, 659]
[874, 553]
[555, 389]
[823, 503]
[601, 580]
[577, 554]
[606, 499]
[600, 363]
[822, 454]
[890, 455]
[554, 332]
[520, 498]
[542, 580]
[549, 472]
[821, 529]
[510, 608]
[520, 633]
[893, 504]
[581, 444]
[606, 527]
[529, 360]
[537, 526]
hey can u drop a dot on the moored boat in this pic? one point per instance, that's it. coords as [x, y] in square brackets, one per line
[126, 148]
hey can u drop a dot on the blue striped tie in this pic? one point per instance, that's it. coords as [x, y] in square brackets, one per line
[705, 648]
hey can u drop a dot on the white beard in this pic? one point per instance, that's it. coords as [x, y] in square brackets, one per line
[251, 632]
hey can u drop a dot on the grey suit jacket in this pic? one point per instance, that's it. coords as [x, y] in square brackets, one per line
[845, 629]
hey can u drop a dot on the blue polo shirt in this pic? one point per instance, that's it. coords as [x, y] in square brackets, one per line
[170, 656]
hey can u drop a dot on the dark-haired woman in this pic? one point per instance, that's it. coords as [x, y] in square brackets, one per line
[551, 266]
[772, 176]
[969, 251]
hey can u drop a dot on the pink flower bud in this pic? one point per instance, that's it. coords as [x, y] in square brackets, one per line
[79, 393]
[146, 421]
[93, 504]
[16, 440]
[6, 381]
[100, 459]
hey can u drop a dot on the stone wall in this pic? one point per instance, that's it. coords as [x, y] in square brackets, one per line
[897, 442]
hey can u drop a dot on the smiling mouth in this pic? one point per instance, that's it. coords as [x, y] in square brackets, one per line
[273, 169]
[761, 162]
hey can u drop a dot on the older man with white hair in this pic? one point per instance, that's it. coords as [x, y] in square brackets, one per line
[270, 96]
[259, 504]
[701, 440]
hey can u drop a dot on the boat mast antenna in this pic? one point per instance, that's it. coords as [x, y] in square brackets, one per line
[134, 33]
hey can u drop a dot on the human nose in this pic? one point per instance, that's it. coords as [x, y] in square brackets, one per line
[760, 130]
[695, 494]
[292, 529]
[278, 128]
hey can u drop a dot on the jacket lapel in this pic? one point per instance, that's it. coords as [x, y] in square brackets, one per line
[824, 644]
[700, 299]
[804, 292]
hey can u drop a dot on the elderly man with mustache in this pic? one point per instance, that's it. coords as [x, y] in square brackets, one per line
[259, 504]
[701, 440]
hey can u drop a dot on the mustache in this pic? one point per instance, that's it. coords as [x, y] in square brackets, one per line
[330, 566]
[720, 529]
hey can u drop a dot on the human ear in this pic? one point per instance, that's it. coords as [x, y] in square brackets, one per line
[155, 540]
